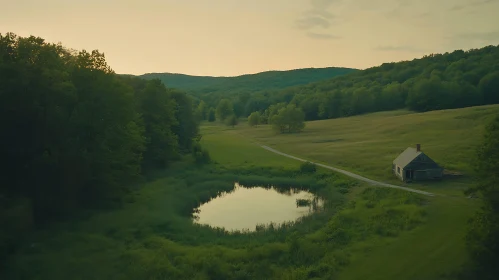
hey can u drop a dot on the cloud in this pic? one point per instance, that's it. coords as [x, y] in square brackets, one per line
[312, 21]
[317, 17]
[399, 49]
[322, 36]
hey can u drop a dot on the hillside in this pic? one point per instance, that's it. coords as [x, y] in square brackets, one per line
[269, 80]
[368, 144]
[434, 82]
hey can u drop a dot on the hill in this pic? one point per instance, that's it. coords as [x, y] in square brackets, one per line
[434, 82]
[269, 80]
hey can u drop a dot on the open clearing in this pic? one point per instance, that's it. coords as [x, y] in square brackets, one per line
[367, 145]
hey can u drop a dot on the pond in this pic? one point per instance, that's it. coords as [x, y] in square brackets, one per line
[245, 208]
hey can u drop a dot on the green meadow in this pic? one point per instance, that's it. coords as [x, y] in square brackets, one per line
[365, 232]
[367, 144]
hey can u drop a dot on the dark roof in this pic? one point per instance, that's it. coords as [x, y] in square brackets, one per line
[407, 157]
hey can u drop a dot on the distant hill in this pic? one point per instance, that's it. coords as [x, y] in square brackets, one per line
[269, 80]
[450, 80]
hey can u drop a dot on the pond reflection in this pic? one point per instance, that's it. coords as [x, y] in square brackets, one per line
[245, 208]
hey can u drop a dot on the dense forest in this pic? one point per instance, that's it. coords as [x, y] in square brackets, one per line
[76, 135]
[212, 89]
[436, 81]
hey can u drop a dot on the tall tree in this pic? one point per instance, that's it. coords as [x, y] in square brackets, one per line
[254, 119]
[187, 127]
[158, 112]
[289, 119]
[483, 235]
[211, 115]
[202, 111]
[489, 86]
[224, 109]
[77, 134]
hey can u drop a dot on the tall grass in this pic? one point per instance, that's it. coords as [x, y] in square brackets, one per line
[153, 236]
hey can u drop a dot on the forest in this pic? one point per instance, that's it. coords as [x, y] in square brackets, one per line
[213, 89]
[75, 135]
[436, 81]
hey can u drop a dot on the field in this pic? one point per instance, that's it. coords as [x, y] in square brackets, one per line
[368, 144]
[365, 232]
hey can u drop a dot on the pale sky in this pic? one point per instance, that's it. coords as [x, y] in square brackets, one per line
[233, 37]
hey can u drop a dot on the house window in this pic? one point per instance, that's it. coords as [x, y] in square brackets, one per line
[398, 170]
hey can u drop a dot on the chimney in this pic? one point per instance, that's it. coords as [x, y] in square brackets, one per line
[418, 147]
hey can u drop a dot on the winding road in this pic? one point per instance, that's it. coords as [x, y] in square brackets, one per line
[350, 174]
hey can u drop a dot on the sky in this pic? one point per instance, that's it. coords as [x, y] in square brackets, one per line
[234, 37]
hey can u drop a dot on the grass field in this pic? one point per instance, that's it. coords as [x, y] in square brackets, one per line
[367, 145]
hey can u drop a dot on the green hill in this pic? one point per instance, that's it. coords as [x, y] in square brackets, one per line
[269, 80]
[437, 81]
[450, 80]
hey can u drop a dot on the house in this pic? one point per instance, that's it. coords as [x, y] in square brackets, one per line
[414, 165]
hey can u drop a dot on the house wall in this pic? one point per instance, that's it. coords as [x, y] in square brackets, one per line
[427, 174]
[398, 171]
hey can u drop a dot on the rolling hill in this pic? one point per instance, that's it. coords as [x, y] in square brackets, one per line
[269, 80]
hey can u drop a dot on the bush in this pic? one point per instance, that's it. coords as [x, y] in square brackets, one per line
[308, 167]
[201, 156]
[231, 120]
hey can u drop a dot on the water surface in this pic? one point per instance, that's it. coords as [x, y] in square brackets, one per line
[245, 208]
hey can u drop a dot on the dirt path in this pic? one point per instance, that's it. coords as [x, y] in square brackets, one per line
[358, 177]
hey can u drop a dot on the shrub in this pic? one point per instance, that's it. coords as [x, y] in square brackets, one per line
[201, 156]
[308, 167]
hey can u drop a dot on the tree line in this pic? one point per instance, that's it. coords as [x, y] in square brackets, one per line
[436, 81]
[285, 118]
[213, 89]
[482, 238]
[76, 135]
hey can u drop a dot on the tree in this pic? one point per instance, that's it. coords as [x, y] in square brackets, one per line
[271, 111]
[489, 86]
[224, 109]
[158, 113]
[254, 119]
[202, 111]
[289, 119]
[78, 134]
[211, 115]
[483, 234]
[187, 127]
[231, 120]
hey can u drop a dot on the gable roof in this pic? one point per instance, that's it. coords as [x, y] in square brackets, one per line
[407, 157]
